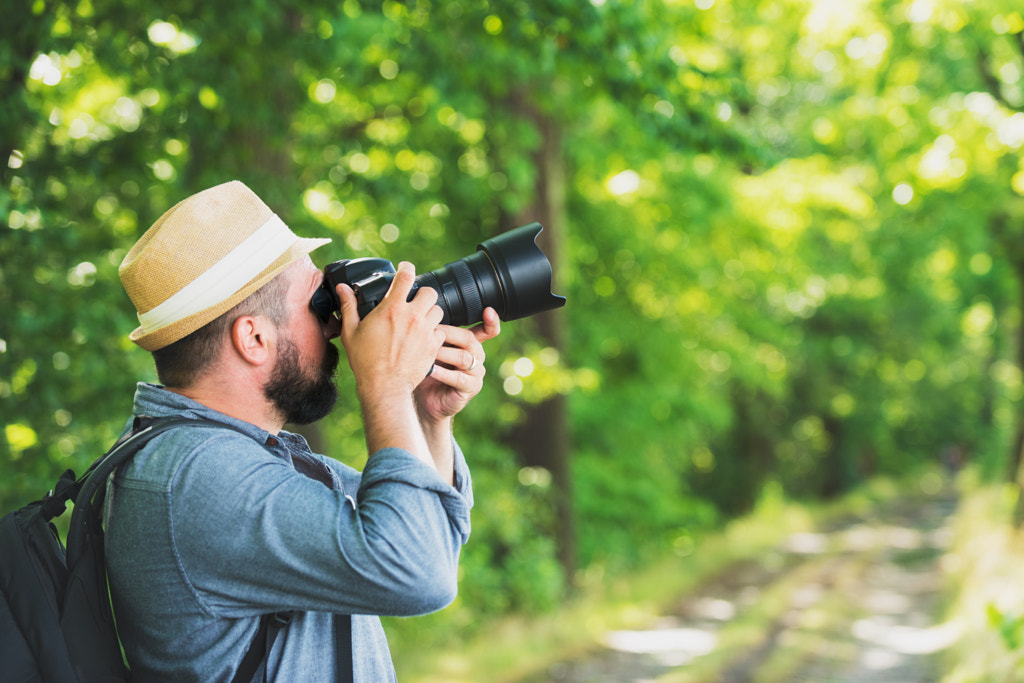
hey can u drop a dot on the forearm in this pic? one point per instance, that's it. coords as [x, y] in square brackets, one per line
[438, 434]
[391, 421]
[394, 422]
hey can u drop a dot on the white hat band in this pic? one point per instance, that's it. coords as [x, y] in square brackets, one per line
[224, 278]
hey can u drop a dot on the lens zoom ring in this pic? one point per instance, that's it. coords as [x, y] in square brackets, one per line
[469, 291]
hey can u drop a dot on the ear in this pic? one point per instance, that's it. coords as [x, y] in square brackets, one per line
[252, 338]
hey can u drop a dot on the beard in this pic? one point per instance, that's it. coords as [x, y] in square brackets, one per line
[302, 399]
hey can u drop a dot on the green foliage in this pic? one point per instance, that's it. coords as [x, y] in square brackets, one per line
[1010, 628]
[509, 566]
[791, 247]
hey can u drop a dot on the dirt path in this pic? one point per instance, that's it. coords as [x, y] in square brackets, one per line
[855, 603]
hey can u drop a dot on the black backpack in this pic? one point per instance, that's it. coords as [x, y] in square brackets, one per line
[56, 624]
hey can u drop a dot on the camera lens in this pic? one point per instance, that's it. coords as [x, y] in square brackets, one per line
[508, 273]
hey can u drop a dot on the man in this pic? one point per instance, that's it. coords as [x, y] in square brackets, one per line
[210, 528]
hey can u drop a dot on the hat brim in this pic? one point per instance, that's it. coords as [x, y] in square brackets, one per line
[158, 339]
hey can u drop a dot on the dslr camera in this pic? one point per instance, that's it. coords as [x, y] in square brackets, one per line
[509, 273]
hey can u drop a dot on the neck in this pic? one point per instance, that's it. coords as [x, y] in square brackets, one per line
[246, 404]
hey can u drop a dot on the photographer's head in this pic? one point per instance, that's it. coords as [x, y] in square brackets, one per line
[221, 271]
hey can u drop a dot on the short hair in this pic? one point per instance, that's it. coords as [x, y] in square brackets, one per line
[184, 362]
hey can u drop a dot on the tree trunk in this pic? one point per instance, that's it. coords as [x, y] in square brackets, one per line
[543, 439]
[1015, 472]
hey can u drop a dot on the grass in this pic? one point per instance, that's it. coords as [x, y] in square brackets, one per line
[986, 565]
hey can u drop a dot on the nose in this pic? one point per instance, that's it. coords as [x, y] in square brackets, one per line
[332, 328]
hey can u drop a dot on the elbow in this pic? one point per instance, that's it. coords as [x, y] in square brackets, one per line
[430, 591]
[412, 556]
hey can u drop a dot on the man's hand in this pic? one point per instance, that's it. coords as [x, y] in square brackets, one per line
[458, 373]
[458, 376]
[395, 346]
[389, 353]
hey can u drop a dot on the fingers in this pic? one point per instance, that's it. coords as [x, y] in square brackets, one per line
[398, 341]
[349, 308]
[460, 361]
[459, 371]
[424, 300]
[489, 328]
[405, 277]
[408, 327]
[468, 383]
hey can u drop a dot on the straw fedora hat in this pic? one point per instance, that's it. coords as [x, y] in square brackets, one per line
[201, 258]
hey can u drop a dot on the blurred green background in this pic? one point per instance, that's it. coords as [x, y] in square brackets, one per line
[790, 235]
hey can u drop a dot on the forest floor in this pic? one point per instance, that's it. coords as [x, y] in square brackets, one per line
[858, 601]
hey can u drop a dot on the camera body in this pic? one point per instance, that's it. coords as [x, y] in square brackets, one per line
[369, 278]
[508, 273]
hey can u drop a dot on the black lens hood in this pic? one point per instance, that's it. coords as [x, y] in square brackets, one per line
[523, 271]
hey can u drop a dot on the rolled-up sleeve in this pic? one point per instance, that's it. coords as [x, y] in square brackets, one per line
[284, 541]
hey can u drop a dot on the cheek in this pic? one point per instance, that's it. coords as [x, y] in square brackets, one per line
[307, 326]
[319, 343]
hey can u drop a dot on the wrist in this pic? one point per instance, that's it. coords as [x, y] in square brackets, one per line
[438, 432]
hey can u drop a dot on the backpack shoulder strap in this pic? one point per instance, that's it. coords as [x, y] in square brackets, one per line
[86, 616]
[90, 488]
[87, 611]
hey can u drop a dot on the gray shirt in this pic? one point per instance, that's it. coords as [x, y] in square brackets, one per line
[209, 528]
